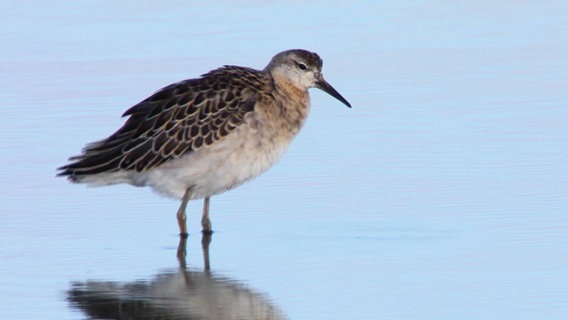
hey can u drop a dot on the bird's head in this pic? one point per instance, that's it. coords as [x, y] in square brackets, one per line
[302, 69]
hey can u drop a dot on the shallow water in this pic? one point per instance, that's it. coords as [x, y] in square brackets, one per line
[440, 195]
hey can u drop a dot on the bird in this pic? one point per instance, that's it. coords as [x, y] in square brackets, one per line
[200, 137]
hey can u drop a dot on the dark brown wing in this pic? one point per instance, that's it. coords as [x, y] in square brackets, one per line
[178, 119]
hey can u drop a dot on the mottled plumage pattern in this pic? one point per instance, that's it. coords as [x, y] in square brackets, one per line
[201, 137]
[178, 119]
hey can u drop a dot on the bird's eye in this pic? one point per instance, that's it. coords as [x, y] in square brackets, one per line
[301, 66]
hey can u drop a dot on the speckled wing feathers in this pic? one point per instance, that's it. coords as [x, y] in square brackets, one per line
[177, 119]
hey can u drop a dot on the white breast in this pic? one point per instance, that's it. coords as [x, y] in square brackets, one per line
[241, 156]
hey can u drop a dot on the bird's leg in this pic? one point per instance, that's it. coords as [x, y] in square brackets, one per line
[181, 217]
[205, 223]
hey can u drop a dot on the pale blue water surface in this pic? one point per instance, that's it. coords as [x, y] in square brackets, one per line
[442, 194]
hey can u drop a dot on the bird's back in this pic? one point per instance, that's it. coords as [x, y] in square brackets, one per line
[176, 120]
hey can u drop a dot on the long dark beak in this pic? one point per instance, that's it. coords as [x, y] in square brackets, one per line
[323, 85]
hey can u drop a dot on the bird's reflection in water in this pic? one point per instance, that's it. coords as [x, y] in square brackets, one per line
[180, 294]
